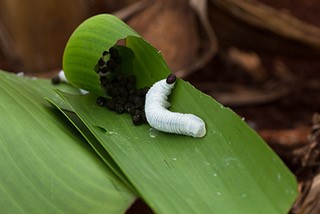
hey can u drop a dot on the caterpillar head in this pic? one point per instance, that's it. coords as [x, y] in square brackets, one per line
[171, 79]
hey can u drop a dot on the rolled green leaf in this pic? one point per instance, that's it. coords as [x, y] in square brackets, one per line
[88, 44]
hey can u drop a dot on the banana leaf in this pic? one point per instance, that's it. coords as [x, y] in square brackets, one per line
[230, 170]
[46, 165]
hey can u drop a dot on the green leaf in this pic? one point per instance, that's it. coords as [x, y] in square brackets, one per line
[86, 133]
[230, 170]
[79, 70]
[46, 166]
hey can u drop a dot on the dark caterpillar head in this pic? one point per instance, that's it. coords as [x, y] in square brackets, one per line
[171, 79]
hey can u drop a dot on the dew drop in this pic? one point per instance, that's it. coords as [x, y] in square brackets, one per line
[153, 133]
[215, 174]
[279, 177]
[289, 191]
[218, 193]
[174, 159]
[112, 133]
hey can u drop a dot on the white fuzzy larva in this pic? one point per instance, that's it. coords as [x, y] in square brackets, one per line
[160, 118]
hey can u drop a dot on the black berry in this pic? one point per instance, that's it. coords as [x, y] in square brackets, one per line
[55, 80]
[101, 101]
[136, 119]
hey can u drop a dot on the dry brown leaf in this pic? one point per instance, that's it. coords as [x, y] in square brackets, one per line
[171, 26]
[256, 26]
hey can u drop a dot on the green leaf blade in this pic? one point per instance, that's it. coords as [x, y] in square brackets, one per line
[45, 165]
[181, 174]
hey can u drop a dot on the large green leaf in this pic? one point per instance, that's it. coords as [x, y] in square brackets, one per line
[230, 170]
[46, 166]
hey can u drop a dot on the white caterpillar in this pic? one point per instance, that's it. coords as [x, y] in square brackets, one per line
[160, 118]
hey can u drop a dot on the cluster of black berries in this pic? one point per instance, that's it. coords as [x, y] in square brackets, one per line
[106, 67]
[125, 97]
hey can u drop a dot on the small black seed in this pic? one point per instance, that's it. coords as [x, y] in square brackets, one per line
[114, 91]
[121, 100]
[137, 100]
[97, 68]
[128, 106]
[120, 92]
[101, 62]
[110, 75]
[136, 119]
[119, 109]
[111, 64]
[104, 81]
[111, 105]
[120, 77]
[139, 103]
[142, 115]
[111, 49]
[131, 89]
[145, 90]
[140, 106]
[144, 118]
[171, 79]
[108, 90]
[139, 111]
[114, 52]
[55, 80]
[104, 69]
[131, 97]
[123, 92]
[132, 79]
[118, 60]
[101, 101]
[132, 110]
[123, 83]
[105, 53]
[142, 92]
